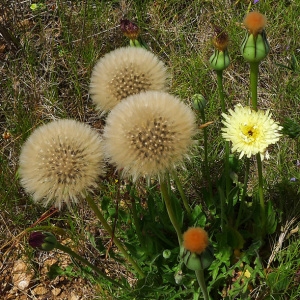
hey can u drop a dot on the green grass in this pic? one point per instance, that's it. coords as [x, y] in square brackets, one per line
[48, 78]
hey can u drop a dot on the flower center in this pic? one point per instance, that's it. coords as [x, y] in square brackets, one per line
[128, 81]
[63, 163]
[152, 141]
[249, 133]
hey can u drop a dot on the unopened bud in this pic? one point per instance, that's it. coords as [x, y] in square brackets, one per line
[255, 47]
[220, 60]
[42, 240]
[129, 29]
[199, 102]
[191, 260]
[167, 253]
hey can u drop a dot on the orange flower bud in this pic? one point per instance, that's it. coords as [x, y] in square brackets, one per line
[255, 22]
[195, 239]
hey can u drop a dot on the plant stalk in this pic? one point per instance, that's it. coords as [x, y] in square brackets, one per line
[86, 262]
[242, 204]
[206, 166]
[136, 219]
[117, 242]
[201, 281]
[261, 195]
[254, 66]
[253, 83]
[167, 200]
[182, 194]
[227, 149]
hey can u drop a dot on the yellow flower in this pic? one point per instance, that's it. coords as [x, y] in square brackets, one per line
[149, 133]
[123, 72]
[250, 131]
[60, 161]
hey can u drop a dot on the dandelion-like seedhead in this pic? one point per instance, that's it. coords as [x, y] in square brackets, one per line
[149, 133]
[60, 161]
[123, 72]
[195, 240]
[250, 131]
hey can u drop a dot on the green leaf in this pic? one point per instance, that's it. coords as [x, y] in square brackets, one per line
[278, 281]
[105, 201]
[271, 219]
[234, 238]
[198, 216]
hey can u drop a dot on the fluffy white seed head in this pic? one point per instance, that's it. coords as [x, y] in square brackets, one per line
[123, 72]
[60, 161]
[149, 133]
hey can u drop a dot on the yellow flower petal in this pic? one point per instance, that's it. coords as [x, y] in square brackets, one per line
[250, 131]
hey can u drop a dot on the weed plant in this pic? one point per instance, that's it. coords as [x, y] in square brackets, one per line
[127, 234]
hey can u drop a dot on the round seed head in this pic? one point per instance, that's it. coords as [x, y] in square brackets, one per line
[123, 72]
[60, 161]
[149, 133]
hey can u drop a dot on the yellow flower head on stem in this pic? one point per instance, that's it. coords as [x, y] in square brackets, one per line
[250, 131]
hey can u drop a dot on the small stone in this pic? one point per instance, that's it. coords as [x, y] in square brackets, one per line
[73, 296]
[56, 291]
[40, 290]
[20, 275]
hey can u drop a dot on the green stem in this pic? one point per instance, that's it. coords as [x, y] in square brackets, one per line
[242, 204]
[261, 195]
[117, 242]
[167, 199]
[206, 166]
[253, 83]
[182, 194]
[86, 262]
[221, 90]
[136, 220]
[201, 281]
[254, 66]
[222, 197]
[227, 148]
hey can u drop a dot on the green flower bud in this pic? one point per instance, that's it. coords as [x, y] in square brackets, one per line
[198, 102]
[207, 257]
[191, 260]
[219, 60]
[42, 240]
[255, 47]
[167, 253]
[195, 261]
